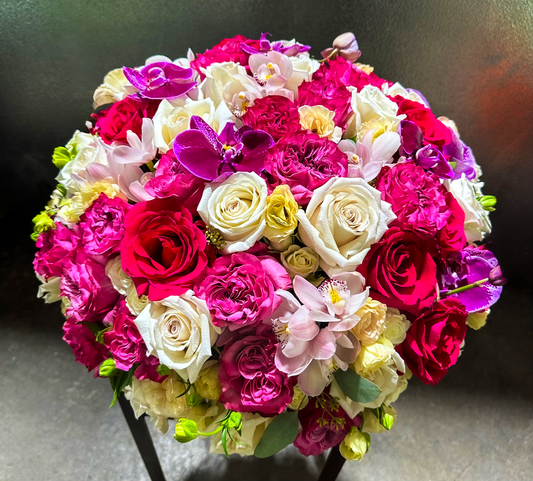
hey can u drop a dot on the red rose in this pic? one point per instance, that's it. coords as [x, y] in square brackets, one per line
[229, 50]
[163, 250]
[435, 132]
[433, 342]
[113, 123]
[276, 115]
[400, 270]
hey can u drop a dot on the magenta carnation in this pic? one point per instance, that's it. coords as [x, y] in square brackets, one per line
[83, 344]
[90, 292]
[147, 369]
[123, 340]
[240, 289]
[304, 161]
[248, 374]
[56, 247]
[102, 225]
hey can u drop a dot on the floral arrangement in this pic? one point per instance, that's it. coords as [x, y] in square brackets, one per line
[265, 247]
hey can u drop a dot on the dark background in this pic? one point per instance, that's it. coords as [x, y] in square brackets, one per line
[472, 59]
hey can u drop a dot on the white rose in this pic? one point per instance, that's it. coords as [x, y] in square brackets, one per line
[343, 219]
[303, 68]
[371, 104]
[236, 208]
[115, 87]
[300, 261]
[399, 89]
[120, 280]
[135, 303]
[253, 427]
[178, 330]
[477, 222]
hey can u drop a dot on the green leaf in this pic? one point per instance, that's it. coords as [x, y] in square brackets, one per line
[279, 433]
[225, 441]
[119, 382]
[357, 388]
[100, 334]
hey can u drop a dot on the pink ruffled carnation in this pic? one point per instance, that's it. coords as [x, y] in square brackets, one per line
[89, 290]
[240, 289]
[148, 369]
[304, 161]
[172, 179]
[56, 247]
[124, 340]
[345, 73]
[248, 375]
[83, 344]
[102, 225]
[319, 429]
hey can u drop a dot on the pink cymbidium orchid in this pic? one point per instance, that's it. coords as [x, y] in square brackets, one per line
[272, 71]
[367, 157]
[307, 350]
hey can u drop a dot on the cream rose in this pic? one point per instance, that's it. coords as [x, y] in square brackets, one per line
[236, 208]
[160, 401]
[396, 326]
[300, 261]
[371, 323]
[120, 280]
[207, 385]
[319, 119]
[178, 330]
[303, 68]
[344, 218]
[477, 222]
[115, 87]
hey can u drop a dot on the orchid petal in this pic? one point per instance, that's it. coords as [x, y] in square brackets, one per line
[195, 152]
[301, 326]
[312, 381]
[323, 345]
[308, 294]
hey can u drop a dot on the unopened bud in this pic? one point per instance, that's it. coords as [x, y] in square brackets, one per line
[108, 368]
[496, 277]
[163, 370]
[235, 421]
[186, 430]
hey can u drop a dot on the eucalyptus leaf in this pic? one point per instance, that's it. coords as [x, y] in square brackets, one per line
[357, 388]
[279, 433]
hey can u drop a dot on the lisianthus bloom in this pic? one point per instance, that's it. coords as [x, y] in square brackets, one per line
[113, 124]
[401, 271]
[163, 250]
[83, 343]
[161, 80]
[324, 425]
[228, 50]
[304, 161]
[467, 267]
[250, 380]
[433, 342]
[335, 302]
[209, 155]
[417, 197]
[172, 179]
[56, 247]
[274, 114]
[102, 225]
[89, 290]
[123, 340]
[240, 289]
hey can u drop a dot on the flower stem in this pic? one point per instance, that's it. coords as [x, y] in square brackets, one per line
[464, 288]
[332, 54]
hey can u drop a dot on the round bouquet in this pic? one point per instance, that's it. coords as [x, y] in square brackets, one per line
[265, 247]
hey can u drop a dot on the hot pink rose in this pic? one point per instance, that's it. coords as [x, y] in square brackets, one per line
[90, 291]
[102, 225]
[56, 247]
[124, 342]
[401, 271]
[304, 161]
[83, 344]
[240, 289]
[172, 179]
[163, 250]
[433, 341]
[248, 375]
[319, 429]
[417, 197]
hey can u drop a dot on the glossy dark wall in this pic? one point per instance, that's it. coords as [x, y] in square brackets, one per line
[473, 60]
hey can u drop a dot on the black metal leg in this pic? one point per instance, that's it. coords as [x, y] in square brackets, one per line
[333, 465]
[143, 440]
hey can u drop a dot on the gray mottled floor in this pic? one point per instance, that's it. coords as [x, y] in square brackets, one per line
[55, 423]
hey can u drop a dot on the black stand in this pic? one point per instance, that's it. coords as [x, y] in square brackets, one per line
[143, 440]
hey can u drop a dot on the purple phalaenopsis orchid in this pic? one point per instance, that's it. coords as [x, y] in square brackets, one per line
[209, 155]
[161, 80]
[468, 267]
[431, 158]
[289, 48]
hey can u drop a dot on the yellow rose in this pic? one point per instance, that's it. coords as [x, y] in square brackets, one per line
[372, 322]
[355, 445]
[396, 325]
[300, 261]
[373, 357]
[207, 385]
[476, 320]
[319, 120]
[280, 215]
